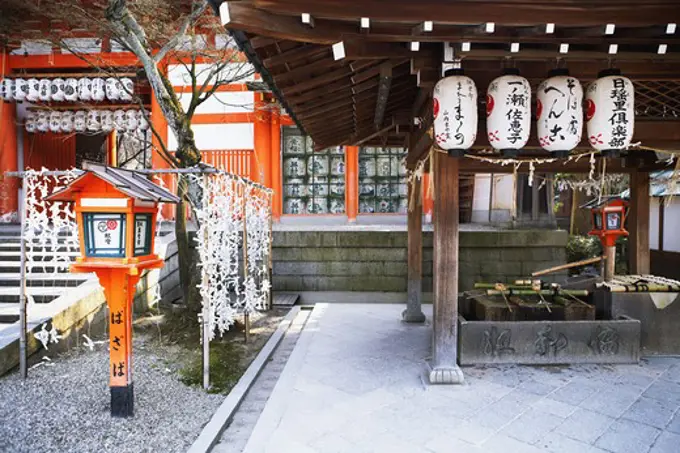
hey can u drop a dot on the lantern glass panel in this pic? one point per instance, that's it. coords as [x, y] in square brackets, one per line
[142, 234]
[613, 220]
[597, 220]
[104, 235]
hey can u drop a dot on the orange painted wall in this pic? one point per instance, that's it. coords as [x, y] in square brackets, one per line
[8, 150]
[53, 151]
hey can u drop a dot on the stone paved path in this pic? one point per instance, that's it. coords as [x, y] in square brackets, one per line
[355, 384]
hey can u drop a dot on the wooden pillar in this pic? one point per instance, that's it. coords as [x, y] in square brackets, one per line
[263, 142]
[638, 224]
[9, 159]
[413, 312]
[444, 366]
[352, 182]
[277, 184]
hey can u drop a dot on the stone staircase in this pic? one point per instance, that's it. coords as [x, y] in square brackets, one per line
[53, 294]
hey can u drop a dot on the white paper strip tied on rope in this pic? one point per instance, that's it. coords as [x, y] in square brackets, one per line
[508, 112]
[455, 112]
[45, 90]
[559, 111]
[610, 112]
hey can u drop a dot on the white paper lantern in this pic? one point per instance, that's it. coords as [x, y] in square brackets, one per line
[98, 89]
[80, 121]
[455, 112]
[71, 90]
[55, 122]
[33, 94]
[559, 110]
[112, 89]
[20, 89]
[67, 121]
[30, 121]
[131, 121]
[610, 112]
[508, 112]
[42, 122]
[85, 89]
[8, 90]
[107, 120]
[126, 90]
[57, 93]
[94, 121]
[143, 123]
[45, 89]
[119, 121]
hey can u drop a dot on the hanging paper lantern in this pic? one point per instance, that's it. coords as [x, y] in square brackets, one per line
[107, 120]
[94, 122]
[508, 112]
[559, 111]
[71, 90]
[119, 121]
[45, 89]
[7, 90]
[112, 89]
[455, 112]
[30, 121]
[80, 121]
[143, 123]
[131, 121]
[98, 89]
[85, 89]
[127, 89]
[55, 122]
[610, 112]
[67, 121]
[57, 93]
[42, 123]
[20, 89]
[33, 94]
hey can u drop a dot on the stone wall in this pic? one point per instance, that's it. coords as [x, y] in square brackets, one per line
[375, 261]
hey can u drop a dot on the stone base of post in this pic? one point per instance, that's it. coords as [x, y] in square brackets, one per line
[122, 401]
[446, 375]
[413, 316]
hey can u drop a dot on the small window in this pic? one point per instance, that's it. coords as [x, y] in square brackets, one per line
[104, 235]
[142, 234]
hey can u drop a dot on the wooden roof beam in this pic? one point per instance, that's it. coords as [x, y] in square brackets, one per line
[293, 55]
[315, 82]
[384, 84]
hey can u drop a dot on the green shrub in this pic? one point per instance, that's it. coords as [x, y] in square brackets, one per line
[583, 247]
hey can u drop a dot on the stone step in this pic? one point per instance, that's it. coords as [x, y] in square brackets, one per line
[39, 299]
[44, 280]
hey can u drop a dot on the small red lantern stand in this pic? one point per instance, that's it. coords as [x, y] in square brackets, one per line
[116, 213]
[609, 217]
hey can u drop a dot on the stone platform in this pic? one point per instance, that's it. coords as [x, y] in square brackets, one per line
[355, 383]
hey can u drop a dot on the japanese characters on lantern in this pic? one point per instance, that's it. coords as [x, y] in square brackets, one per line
[508, 112]
[560, 113]
[610, 114]
[455, 112]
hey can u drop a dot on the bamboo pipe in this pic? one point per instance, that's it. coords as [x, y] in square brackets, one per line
[543, 292]
[568, 266]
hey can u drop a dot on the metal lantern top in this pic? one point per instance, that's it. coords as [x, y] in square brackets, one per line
[116, 213]
[608, 217]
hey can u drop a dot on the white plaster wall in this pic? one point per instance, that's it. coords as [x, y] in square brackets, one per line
[654, 223]
[219, 136]
[223, 102]
[671, 225]
[179, 74]
[502, 198]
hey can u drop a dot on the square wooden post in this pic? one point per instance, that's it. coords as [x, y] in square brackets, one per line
[444, 367]
[638, 224]
[414, 312]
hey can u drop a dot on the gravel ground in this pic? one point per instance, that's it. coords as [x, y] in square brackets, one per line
[65, 407]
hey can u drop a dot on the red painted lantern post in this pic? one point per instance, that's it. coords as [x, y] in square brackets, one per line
[608, 219]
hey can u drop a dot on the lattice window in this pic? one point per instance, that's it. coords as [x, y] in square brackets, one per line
[382, 180]
[313, 181]
[657, 99]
